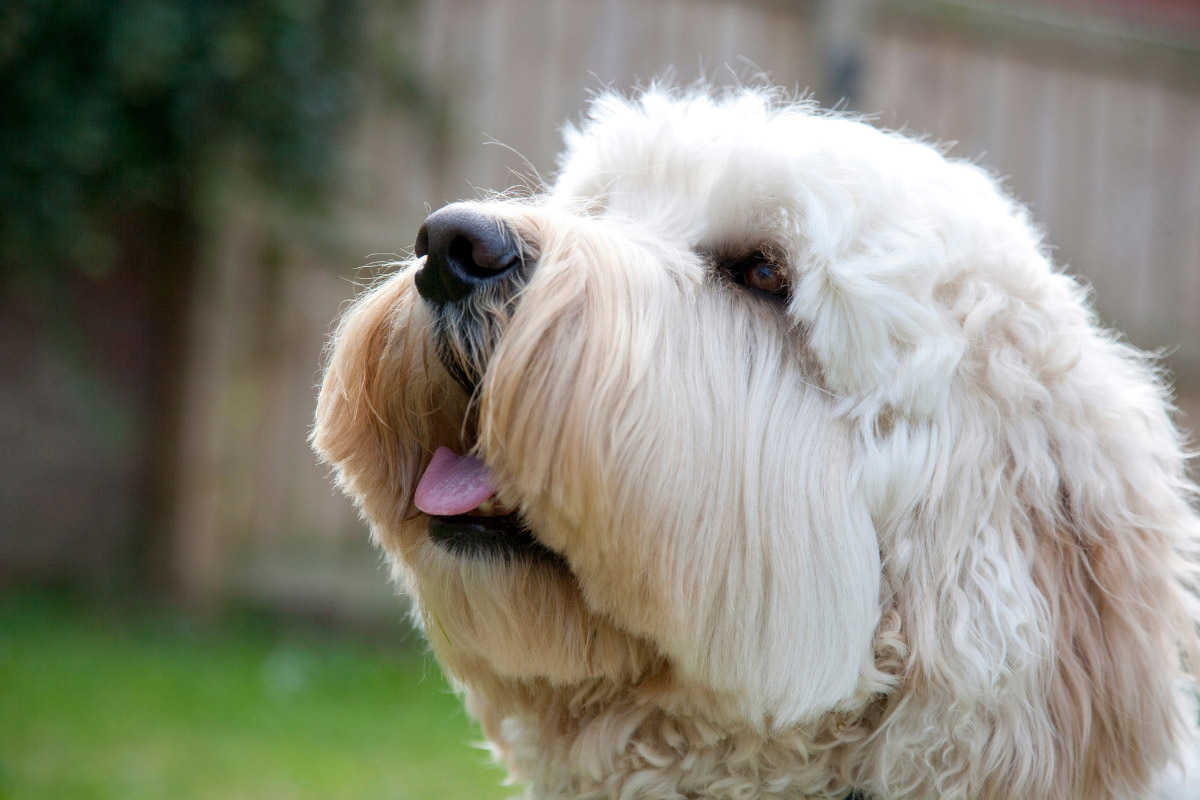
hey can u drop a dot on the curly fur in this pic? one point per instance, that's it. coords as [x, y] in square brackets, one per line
[922, 531]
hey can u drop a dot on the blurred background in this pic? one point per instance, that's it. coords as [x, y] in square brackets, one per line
[191, 191]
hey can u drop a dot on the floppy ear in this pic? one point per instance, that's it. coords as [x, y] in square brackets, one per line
[1117, 567]
[359, 428]
[1045, 586]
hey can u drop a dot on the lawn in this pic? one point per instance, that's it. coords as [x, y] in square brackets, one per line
[97, 703]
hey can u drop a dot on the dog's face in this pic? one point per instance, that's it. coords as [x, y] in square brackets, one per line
[731, 404]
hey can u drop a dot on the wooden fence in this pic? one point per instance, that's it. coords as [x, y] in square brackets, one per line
[1097, 127]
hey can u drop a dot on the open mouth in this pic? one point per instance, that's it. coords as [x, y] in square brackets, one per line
[465, 516]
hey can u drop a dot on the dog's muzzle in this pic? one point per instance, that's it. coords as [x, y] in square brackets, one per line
[472, 261]
[465, 252]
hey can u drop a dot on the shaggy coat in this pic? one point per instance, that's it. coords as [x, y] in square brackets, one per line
[908, 523]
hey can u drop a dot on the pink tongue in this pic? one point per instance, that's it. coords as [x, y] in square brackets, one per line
[452, 484]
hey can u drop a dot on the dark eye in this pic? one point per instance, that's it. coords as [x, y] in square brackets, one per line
[761, 274]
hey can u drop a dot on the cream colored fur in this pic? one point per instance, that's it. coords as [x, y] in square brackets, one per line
[923, 530]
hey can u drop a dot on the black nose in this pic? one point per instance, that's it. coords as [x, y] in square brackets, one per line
[464, 249]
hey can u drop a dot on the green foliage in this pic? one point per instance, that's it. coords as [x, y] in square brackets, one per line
[115, 108]
[96, 704]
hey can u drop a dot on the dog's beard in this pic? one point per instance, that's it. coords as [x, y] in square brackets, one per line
[386, 404]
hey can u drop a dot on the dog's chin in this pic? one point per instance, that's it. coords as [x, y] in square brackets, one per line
[504, 537]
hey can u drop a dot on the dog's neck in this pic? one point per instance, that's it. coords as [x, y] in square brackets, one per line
[597, 740]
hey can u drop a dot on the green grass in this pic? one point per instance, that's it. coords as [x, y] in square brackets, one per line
[101, 705]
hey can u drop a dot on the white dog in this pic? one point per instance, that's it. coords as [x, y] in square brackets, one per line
[766, 454]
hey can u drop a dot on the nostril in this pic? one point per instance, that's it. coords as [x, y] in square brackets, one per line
[478, 260]
[460, 251]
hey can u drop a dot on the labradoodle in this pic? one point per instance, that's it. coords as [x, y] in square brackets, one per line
[765, 454]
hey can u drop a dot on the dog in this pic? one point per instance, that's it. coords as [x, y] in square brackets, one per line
[766, 454]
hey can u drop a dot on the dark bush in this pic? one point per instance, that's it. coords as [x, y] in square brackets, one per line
[113, 110]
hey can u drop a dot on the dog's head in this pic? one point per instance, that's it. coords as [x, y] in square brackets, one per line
[777, 407]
